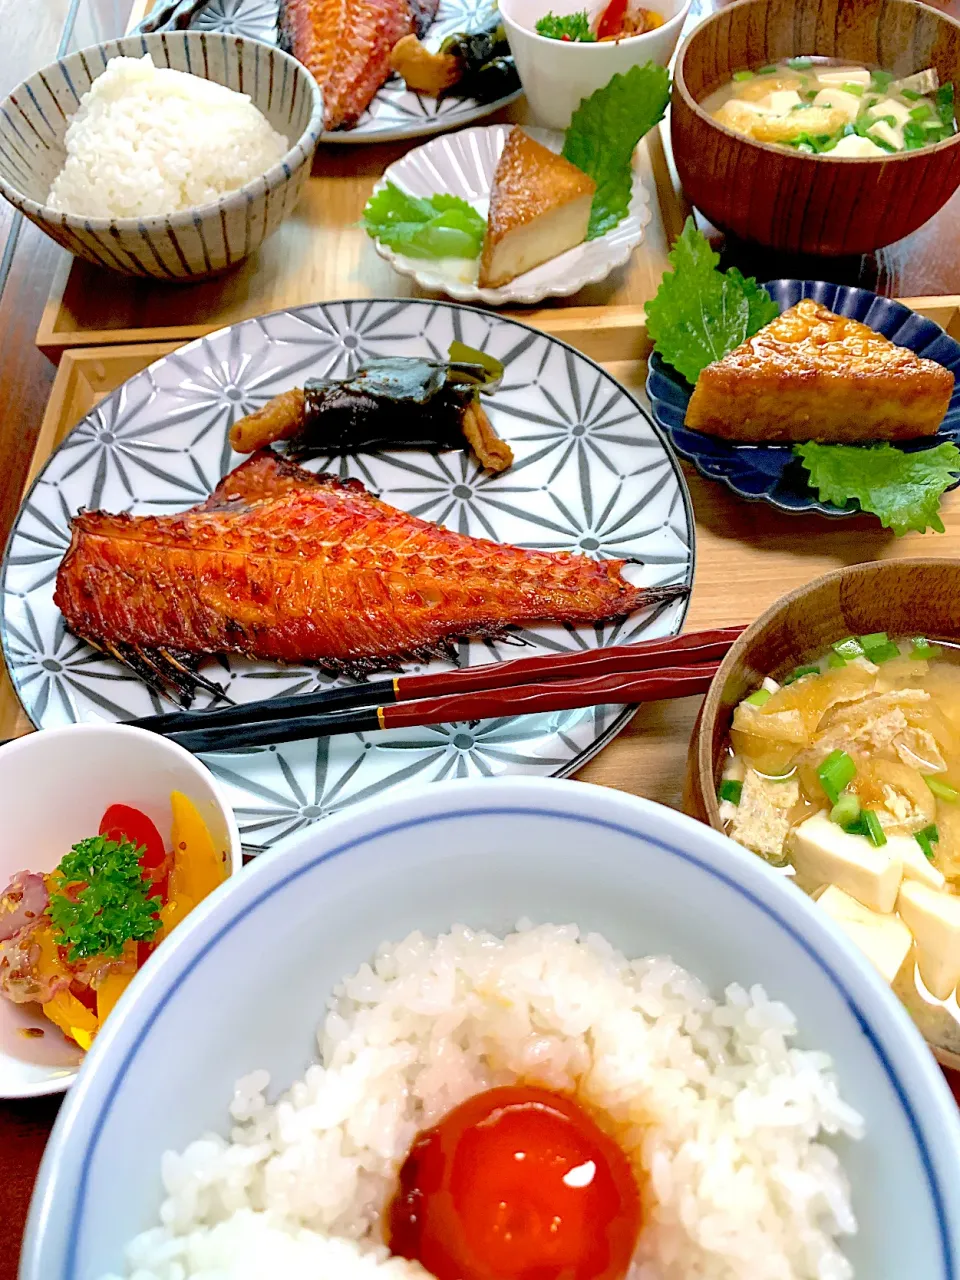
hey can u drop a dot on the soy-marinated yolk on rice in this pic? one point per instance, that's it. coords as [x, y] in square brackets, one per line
[721, 1116]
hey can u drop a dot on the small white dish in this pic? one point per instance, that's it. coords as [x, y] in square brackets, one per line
[242, 985]
[557, 74]
[463, 164]
[54, 789]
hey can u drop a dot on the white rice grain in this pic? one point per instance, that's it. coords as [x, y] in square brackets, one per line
[148, 141]
[723, 1116]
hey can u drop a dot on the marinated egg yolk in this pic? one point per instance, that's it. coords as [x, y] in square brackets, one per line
[517, 1183]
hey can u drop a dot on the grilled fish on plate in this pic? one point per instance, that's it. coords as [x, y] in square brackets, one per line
[346, 47]
[287, 566]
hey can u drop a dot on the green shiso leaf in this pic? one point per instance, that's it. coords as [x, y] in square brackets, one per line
[603, 133]
[902, 490]
[441, 226]
[699, 313]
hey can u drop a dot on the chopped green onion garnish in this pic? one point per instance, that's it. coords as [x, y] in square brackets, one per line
[730, 790]
[944, 101]
[836, 773]
[922, 648]
[884, 146]
[862, 124]
[766, 71]
[799, 64]
[942, 790]
[800, 672]
[743, 75]
[759, 698]
[873, 830]
[914, 136]
[849, 648]
[855, 89]
[878, 648]
[923, 112]
[881, 80]
[926, 839]
[911, 95]
[846, 811]
[835, 660]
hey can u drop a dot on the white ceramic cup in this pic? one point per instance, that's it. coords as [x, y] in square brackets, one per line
[54, 788]
[557, 74]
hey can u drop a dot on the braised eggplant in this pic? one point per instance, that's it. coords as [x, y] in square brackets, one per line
[394, 402]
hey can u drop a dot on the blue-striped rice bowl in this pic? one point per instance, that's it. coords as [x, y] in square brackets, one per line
[180, 246]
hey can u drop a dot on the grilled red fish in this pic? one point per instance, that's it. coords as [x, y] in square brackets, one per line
[287, 566]
[346, 46]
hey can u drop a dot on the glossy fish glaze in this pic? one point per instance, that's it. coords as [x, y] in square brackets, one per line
[283, 565]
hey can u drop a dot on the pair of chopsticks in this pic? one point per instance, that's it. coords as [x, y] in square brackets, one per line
[676, 667]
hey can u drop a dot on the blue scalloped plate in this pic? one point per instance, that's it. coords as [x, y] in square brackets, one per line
[771, 473]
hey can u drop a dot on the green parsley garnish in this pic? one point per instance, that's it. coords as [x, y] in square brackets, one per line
[103, 901]
[572, 26]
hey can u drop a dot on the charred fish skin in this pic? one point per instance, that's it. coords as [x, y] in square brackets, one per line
[321, 571]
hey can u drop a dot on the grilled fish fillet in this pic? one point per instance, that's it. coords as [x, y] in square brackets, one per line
[282, 565]
[814, 375]
[346, 47]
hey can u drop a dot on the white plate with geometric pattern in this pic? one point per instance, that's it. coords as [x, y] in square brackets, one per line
[592, 474]
[464, 164]
[395, 111]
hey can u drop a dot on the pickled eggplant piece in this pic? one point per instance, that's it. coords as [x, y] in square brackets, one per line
[395, 402]
[488, 68]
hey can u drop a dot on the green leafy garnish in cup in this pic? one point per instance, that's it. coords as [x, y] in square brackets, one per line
[569, 26]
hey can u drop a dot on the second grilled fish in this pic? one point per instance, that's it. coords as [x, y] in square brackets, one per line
[346, 47]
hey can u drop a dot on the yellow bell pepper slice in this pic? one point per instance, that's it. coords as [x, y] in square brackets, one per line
[198, 866]
[73, 1018]
[109, 992]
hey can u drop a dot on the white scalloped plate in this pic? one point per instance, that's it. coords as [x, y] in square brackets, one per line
[463, 164]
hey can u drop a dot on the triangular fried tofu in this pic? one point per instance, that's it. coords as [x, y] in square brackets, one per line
[814, 375]
[539, 208]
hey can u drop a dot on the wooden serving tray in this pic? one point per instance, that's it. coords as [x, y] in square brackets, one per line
[748, 554]
[320, 254]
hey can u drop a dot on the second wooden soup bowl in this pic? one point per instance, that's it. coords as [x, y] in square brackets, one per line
[901, 597]
[786, 199]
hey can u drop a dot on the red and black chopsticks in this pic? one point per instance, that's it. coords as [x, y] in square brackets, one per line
[668, 668]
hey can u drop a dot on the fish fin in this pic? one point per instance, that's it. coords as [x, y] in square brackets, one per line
[169, 673]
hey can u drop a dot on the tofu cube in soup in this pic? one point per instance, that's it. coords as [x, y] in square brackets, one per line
[824, 853]
[934, 920]
[883, 938]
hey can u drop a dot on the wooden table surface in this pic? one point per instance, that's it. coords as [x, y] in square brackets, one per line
[925, 264]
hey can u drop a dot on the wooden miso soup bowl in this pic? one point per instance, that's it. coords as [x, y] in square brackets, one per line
[786, 199]
[901, 597]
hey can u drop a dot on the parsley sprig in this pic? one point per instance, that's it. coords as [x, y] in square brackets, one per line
[569, 26]
[102, 901]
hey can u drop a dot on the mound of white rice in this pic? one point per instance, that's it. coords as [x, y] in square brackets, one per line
[722, 1116]
[148, 140]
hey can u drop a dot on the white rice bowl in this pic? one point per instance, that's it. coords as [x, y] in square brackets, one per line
[148, 141]
[724, 1119]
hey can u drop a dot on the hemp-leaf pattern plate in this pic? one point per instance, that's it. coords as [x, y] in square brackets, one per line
[592, 474]
[395, 111]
